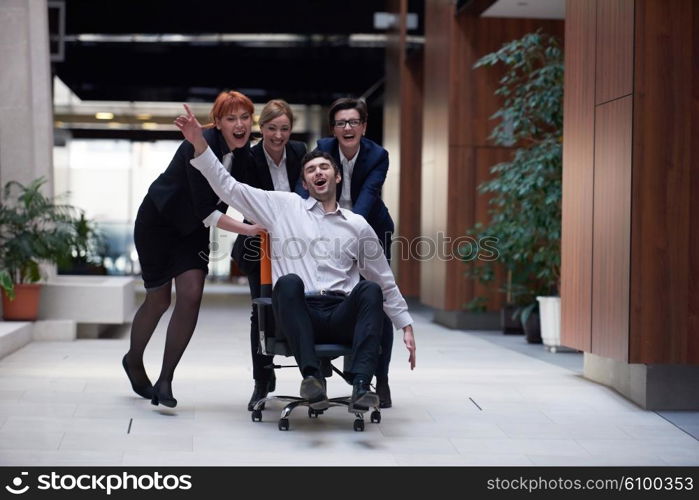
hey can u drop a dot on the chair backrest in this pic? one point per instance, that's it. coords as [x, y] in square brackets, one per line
[270, 342]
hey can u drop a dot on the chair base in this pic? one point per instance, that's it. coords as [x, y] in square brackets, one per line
[314, 411]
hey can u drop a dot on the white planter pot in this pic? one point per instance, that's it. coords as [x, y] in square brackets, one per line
[550, 314]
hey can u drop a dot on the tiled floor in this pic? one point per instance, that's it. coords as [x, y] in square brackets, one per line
[470, 401]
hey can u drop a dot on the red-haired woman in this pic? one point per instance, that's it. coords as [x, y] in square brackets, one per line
[172, 239]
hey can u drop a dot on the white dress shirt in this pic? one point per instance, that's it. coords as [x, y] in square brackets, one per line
[213, 217]
[280, 179]
[347, 169]
[327, 250]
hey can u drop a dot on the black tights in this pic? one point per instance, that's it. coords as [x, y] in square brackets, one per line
[189, 287]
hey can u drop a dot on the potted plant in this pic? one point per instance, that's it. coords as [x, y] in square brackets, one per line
[33, 230]
[525, 192]
[87, 251]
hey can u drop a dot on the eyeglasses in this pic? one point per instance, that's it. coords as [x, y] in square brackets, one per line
[352, 123]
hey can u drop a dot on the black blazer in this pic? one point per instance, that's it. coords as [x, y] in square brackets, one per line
[368, 177]
[245, 249]
[182, 194]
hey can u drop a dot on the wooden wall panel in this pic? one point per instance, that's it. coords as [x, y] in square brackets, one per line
[435, 145]
[461, 82]
[612, 229]
[665, 245]
[578, 175]
[411, 170]
[462, 177]
[614, 62]
[403, 140]
[645, 285]
[391, 116]
[693, 310]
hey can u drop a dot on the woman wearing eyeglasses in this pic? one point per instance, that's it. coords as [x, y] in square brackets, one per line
[364, 167]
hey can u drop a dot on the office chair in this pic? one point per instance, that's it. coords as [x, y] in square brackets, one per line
[272, 342]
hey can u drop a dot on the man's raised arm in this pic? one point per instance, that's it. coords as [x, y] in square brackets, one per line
[255, 204]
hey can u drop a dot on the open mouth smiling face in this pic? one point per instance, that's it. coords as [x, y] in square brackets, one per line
[276, 133]
[235, 126]
[318, 177]
[348, 128]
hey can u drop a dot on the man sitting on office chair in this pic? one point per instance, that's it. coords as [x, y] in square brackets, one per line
[318, 250]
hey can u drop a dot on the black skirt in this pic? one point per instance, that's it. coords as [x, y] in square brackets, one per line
[164, 253]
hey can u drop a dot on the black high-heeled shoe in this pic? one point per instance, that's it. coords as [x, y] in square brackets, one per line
[143, 390]
[163, 397]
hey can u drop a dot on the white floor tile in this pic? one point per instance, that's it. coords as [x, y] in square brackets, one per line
[597, 461]
[564, 447]
[35, 440]
[92, 441]
[33, 458]
[22, 424]
[671, 447]
[482, 459]
[30, 409]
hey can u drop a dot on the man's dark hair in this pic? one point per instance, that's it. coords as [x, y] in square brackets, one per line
[347, 103]
[317, 153]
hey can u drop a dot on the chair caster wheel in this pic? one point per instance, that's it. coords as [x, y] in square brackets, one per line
[314, 413]
[359, 425]
[376, 417]
[256, 415]
[283, 424]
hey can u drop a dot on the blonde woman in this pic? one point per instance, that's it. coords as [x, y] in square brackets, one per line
[275, 166]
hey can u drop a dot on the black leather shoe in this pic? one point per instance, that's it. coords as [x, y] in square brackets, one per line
[384, 392]
[162, 394]
[313, 389]
[262, 388]
[143, 389]
[362, 396]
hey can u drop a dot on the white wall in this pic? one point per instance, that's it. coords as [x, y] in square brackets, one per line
[26, 127]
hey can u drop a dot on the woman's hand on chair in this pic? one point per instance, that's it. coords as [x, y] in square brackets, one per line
[255, 229]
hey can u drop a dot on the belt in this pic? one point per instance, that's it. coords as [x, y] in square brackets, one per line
[330, 293]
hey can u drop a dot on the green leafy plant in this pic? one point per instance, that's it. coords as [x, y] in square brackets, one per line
[6, 284]
[88, 248]
[525, 203]
[478, 304]
[33, 229]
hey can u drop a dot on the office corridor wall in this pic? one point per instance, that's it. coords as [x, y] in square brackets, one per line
[630, 256]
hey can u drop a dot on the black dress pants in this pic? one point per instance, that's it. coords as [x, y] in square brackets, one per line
[306, 320]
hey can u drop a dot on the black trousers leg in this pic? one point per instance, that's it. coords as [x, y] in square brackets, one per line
[292, 316]
[259, 361]
[386, 347]
[358, 319]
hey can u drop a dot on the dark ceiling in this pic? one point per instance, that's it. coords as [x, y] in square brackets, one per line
[315, 68]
